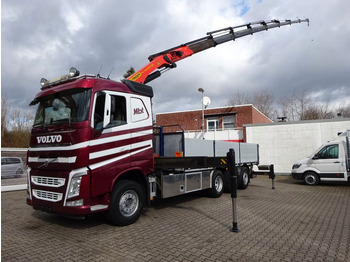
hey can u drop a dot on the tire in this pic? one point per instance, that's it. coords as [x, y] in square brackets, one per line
[127, 200]
[311, 179]
[243, 178]
[19, 173]
[217, 185]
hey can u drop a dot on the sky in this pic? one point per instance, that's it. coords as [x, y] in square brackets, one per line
[41, 38]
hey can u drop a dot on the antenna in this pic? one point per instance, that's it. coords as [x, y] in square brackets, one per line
[110, 73]
[99, 71]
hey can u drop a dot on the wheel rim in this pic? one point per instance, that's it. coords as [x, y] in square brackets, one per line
[129, 203]
[310, 179]
[219, 183]
[245, 178]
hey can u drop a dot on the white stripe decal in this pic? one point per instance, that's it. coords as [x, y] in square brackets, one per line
[91, 142]
[109, 161]
[120, 137]
[118, 149]
[59, 148]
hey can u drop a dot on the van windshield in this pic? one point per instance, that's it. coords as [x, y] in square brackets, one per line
[63, 107]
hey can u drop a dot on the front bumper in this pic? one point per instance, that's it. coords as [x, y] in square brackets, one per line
[298, 176]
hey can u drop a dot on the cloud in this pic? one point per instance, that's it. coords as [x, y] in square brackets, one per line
[45, 38]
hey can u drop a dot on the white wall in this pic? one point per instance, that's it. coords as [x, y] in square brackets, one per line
[227, 135]
[282, 144]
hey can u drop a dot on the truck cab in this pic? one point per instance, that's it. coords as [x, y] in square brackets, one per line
[330, 162]
[88, 132]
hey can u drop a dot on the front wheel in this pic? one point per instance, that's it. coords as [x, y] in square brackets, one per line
[217, 187]
[127, 200]
[311, 179]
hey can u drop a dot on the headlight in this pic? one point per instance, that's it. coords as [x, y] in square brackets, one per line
[296, 166]
[74, 187]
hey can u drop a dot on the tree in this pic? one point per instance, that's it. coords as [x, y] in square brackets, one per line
[261, 99]
[4, 113]
[288, 108]
[129, 72]
[343, 111]
[21, 121]
[239, 98]
[15, 126]
[299, 106]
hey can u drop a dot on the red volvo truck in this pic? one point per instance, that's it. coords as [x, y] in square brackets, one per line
[93, 147]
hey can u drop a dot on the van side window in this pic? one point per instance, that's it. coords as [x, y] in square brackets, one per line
[327, 152]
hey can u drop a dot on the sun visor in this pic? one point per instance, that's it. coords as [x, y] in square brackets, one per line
[139, 88]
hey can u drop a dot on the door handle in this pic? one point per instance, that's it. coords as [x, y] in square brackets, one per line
[336, 162]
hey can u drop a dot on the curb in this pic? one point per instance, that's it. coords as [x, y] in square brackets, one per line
[13, 188]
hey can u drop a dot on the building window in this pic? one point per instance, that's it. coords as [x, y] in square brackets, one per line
[213, 124]
[228, 122]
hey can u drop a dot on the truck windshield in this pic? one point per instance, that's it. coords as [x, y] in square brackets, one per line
[64, 107]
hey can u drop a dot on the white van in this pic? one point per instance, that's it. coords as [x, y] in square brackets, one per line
[330, 162]
[11, 167]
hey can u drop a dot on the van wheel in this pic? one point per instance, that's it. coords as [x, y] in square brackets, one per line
[19, 173]
[127, 200]
[217, 185]
[311, 179]
[243, 178]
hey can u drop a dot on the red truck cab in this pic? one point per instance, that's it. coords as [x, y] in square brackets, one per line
[88, 133]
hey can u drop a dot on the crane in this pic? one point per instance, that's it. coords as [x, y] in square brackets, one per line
[166, 60]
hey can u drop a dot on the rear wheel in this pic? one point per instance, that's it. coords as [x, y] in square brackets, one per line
[217, 184]
[127, 200]
[311, 179]
[243, 178]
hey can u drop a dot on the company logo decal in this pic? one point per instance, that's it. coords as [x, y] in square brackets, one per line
[135, 77]
[49, 139]
[138, 111]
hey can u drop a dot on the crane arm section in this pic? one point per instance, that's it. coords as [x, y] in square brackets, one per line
[167, 59]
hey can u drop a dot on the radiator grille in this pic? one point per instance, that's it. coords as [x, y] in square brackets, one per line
[48, 181]
[46, 195]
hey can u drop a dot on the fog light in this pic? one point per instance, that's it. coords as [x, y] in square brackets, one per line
[76, 203]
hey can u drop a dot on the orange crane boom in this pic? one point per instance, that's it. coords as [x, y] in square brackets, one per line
[167, 59]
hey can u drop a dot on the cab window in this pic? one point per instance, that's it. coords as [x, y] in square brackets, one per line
[329, 152]
[110, 111]
[118, 111]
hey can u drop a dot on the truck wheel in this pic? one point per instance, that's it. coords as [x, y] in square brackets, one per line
[217, 185]
[243, 178]
[311, 178]
[127, 201]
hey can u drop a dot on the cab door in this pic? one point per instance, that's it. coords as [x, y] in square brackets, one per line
[110, 149]
[328, 162]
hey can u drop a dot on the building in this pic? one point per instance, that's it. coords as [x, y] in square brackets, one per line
[221, 123]
[283, 143]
